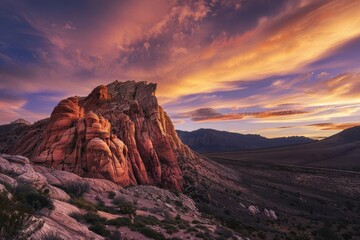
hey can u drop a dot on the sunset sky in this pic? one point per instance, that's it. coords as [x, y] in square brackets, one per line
[269, 67]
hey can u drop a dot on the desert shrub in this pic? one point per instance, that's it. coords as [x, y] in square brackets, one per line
[76, 188]
[227, 212]
[29, 196]
[111, 195]
[116, 235]
[126, 207]
[326, 233]
[199, 226]
[200, 235]
[14, 218]
[175, 192]
[119, 222]
[76, 215]
[170, 229]
[118, 200]
[224, 232]
[37, 201]
[191, 229]
[93, 218]
[236, 225]
[82, 203]
[262, 235]
[51, 236]
[100, 229]
[169, 220]
[150, 233]
[104, 208]
[147, 220]
[179, 203]
[175, 238]
[183, 225]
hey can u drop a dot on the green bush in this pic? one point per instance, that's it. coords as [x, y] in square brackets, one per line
[150, 233]
[126, 208]
[118, 200]
[170, 229]
[111, 195]
[14, 218]
[191, 229]
[76, 188]
[93, 218]
[103, 207]
[51, 236]
[147, 220]
[119, 222]
[82, 203]
[116, 235]
[37, 201]
[100, 229]
[76, 215]
[29, 196]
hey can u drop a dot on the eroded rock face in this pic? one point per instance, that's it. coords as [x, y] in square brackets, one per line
[118, 132]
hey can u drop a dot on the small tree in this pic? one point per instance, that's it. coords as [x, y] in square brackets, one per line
[14, 219]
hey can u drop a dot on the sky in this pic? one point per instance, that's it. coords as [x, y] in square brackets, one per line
[270, 67]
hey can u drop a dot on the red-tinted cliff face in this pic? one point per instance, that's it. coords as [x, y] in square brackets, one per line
[118, 132]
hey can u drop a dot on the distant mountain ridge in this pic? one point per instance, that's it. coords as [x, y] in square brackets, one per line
[339, 151]
[210, 141]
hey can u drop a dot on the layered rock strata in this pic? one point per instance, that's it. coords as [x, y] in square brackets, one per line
[118, 132]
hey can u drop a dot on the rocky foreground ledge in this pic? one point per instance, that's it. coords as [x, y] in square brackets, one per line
[55, 204]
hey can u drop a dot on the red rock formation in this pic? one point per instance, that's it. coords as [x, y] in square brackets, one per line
[118, 132]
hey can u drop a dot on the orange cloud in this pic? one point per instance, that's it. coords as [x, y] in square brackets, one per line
[333, 126]
[211, 115]
[278, 45]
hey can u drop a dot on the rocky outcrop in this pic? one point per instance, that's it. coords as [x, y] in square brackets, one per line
[70, 219]
[118, 132]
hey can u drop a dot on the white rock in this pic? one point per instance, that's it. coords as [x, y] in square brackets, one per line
[253, 210]
[267, 213]
[273, 214]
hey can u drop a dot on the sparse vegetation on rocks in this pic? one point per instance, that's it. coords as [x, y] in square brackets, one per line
[124, 206]
[14, 218]
[111, 195]
[76, 188]
[52, 236]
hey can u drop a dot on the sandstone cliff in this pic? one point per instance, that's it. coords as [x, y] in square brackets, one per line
[118, 132]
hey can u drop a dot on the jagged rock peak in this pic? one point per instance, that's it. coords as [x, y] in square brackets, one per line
[123, 91]
[21, 121]
[118, 132]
